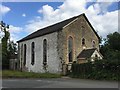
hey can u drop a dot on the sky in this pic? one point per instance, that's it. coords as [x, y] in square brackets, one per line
[27, 17]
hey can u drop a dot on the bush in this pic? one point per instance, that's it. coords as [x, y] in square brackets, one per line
[100, 70]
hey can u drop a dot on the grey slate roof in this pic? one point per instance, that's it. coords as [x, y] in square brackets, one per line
[87, 53]
[54, 28]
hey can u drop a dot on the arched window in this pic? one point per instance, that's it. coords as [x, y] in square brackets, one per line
[44, 52]
[32, 53]
[25, 47]
[21, 56]
[83, 41]
[93, 44]
[70, 49]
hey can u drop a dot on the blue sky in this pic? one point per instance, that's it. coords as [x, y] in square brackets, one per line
[26, 17]
[15, 17]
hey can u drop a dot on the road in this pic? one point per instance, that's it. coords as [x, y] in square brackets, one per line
[57, 83]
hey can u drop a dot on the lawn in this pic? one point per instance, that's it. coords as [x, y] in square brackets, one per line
[19, 74]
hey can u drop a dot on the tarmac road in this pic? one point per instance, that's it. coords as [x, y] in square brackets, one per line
[57, 83]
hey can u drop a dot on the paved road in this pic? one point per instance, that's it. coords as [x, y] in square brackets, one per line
[57, 83]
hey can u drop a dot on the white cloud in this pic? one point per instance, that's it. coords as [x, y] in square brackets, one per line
[103, 6]
[104, 24]
[14, 29]
[51, 16]
[14, 32]
[24, 15]
[4, 10]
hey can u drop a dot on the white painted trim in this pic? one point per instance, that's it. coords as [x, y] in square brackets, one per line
[100, 53]
[70, 23]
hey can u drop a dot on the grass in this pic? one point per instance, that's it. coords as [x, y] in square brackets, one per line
[19, 74]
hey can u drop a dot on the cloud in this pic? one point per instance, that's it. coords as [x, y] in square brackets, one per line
[24, 15]
[103, 6]
[51, 16]
[14, 29]
[4, 10]
[103, 21]
[15, 32]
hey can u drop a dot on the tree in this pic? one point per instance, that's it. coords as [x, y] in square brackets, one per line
[111, 47]
[12, 49]
[4, 41]
[114, 41]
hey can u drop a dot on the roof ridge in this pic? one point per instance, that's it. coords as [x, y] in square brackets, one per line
[86, 53]
[60, 22]
[54, 28]
[50, 26]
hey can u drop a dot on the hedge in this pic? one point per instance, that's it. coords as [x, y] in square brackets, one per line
[100, 70]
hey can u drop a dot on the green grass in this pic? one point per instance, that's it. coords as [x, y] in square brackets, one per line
[18, 74]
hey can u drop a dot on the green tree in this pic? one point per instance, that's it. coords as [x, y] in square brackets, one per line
[12, 49]
[111, 47]
[114, 41]
[4, 41]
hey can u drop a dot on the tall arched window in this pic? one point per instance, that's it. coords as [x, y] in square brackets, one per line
[32, 53]
[83, 41]
[93, 44]
[70, 49]
[44, 52]
[21, 56]
[25, 47]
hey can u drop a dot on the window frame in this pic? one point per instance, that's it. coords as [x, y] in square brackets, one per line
[25, 52]
[93, 43]
[45, 52]
[33, 53]
[83, 41]
[70, 49]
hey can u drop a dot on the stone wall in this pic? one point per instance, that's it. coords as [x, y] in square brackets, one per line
[53, 61]
[74, 29]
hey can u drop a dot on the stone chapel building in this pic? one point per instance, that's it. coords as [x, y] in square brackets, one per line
[51, 48]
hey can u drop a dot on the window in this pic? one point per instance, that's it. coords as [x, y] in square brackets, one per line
[70, 49]
[25, 54]
[21, 56]
[96, 56]
[83, 41]
[44, 52]
[93, 44]
[32, 53]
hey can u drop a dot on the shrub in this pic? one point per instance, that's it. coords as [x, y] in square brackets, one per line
[100, 70]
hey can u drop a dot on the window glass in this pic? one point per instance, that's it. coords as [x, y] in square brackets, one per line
[45, 52]
[32, 53]
[70, 49]
[25, 47]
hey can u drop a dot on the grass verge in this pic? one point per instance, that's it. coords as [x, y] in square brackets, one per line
[18, 74]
